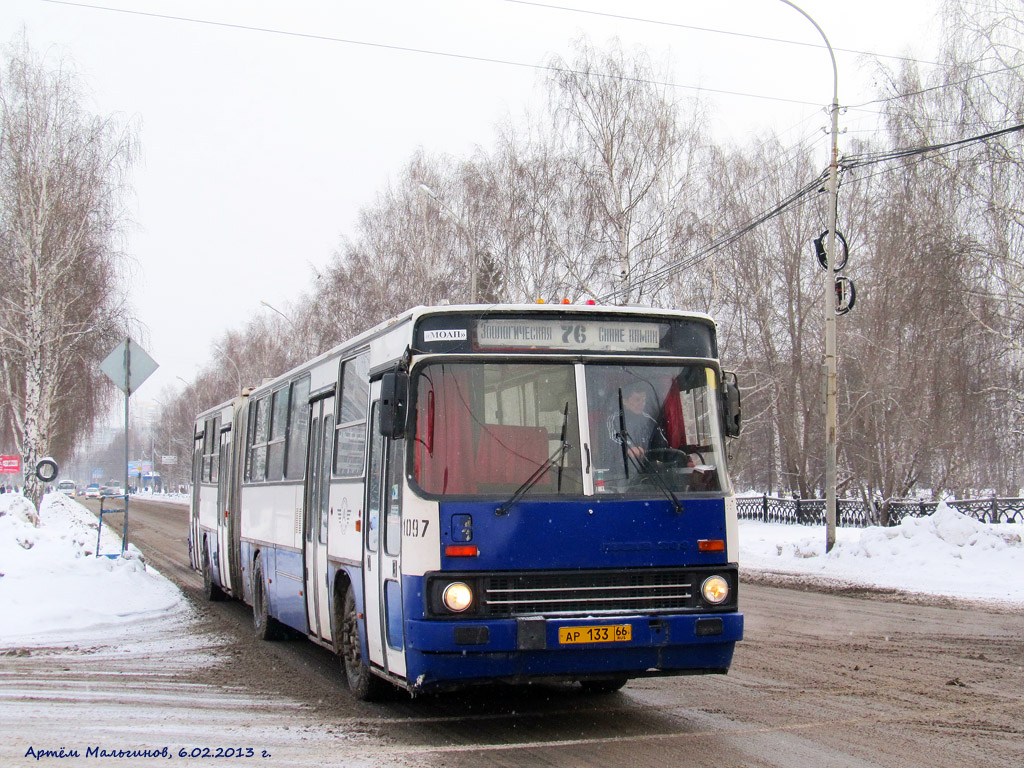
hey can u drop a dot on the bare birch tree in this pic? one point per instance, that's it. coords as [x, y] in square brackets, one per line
[62, 180]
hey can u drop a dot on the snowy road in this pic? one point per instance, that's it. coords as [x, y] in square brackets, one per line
[851, 679]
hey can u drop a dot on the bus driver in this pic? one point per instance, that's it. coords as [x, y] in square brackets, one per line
[635, 425]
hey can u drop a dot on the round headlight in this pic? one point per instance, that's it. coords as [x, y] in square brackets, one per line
[458, 597]
[715, 590]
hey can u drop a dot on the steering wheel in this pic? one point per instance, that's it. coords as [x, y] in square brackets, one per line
[668, 456]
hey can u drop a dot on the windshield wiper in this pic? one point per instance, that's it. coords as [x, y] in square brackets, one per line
[533, 479]
[652, 469]
[561, 437]
[542, 470]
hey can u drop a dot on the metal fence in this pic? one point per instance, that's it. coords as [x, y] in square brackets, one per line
[854, 513]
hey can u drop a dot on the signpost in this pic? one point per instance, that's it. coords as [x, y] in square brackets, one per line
[10, 465]
[127, 366]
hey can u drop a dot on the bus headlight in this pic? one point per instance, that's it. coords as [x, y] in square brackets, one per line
[715, 590]
[457, 597]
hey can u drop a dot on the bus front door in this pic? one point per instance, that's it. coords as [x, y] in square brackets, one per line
[317, 501]
[382, 564]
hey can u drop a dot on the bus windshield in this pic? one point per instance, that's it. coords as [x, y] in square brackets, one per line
[484, 429]
[654, 426]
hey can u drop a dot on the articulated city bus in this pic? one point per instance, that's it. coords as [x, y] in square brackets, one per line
[473, 494]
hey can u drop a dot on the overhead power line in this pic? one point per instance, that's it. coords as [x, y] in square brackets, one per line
[873, 158]
[520, 64]
[937, 87]
[424, 51]
[721, 242]
[712, 30]
[810, 188]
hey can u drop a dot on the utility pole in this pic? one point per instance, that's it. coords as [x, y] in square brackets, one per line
[831, 366]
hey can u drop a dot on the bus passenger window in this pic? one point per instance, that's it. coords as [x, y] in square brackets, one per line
[258, 433]
[275, 449]
[298, 426]
[350, 437]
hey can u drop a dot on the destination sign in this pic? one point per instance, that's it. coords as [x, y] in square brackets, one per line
[570, 334]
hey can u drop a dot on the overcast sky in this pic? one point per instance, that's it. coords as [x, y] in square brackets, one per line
[266, 125]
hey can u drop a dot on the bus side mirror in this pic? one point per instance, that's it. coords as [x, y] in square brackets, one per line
[394, 394]
[731, 408]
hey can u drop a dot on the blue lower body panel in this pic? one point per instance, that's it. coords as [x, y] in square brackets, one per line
[443, 653]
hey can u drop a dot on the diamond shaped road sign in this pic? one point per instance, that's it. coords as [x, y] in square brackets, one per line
[128, 366]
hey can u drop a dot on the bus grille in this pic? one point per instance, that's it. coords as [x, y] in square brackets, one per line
[588, 592]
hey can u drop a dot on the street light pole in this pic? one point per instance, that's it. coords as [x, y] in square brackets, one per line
[831, 367]
[424, 189]
[227, 357]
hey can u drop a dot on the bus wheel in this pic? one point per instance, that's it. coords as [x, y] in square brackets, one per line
[598, 687]
[363, 684]
[265, 626]
[211, 591]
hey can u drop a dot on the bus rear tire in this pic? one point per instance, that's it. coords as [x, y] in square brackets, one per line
[363, 684]
[211, 591]
[264, 625]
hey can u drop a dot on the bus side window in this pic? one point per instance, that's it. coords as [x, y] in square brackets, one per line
[275, 447]
[215, 450]
[298, 427]
[258, 433]
[350, 434]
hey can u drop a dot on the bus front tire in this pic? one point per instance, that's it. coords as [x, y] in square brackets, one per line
[265, 626]
[364, 685]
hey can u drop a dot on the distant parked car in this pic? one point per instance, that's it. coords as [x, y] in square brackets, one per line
[67, 487]
[92, 491]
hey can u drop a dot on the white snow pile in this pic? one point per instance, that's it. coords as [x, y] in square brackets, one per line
[946, 553]
[52, 584]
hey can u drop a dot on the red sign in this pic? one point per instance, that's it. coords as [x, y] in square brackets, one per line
[10, 465]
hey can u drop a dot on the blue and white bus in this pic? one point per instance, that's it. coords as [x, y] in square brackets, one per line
[473, 494]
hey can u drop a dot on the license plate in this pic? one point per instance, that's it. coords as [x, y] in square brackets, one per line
[612, 633]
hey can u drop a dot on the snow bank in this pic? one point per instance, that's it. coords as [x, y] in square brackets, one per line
[946, 553]
[53, 586]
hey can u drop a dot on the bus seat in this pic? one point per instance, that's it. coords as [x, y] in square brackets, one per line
[507, 455]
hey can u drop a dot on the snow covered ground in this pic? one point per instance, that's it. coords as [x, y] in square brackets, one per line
[52, 583]
[945, 554]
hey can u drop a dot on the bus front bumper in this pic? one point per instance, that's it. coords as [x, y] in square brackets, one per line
[531, 648]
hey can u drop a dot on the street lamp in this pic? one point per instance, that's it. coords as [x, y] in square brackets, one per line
[463, 229]
[831, 416]
[238, 373]
[282, 314]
